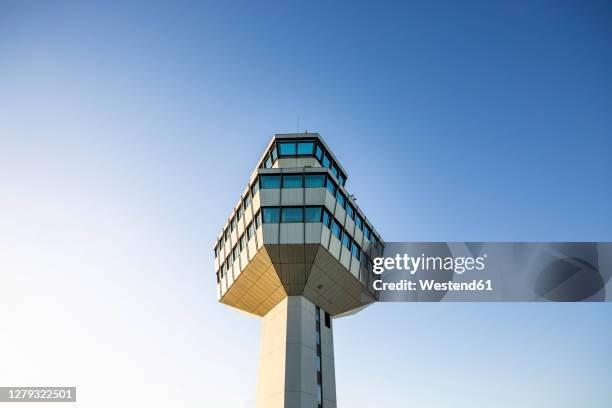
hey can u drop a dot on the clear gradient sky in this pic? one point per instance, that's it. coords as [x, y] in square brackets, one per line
[127, 132]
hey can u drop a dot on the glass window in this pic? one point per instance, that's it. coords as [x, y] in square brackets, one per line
[286, 148]
[247, 201]
[313, 214]
[346, 240]
[326, 161]
[334, 171]
[314, 180]
[292, 214]
[331, 186]
[254, 188]
[305, 148]
[258, 219]
[327, 320]
[319, 152]
[242, 242]
[250, 231]
[235, 252]
[341, 179]
[359, 221]
[271, 214]
[268, 162]
[356, 251]
[341, 198]
[335, 228]
[366, 231]
[269, 181]
[326, 218]
[350, 211]
[273, 154]
[292, 181]
[227, 235]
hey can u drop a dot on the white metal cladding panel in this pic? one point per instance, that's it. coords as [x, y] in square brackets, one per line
[358, 236]
[292, 233]
[217, 261]
[244, 258]
[314, 196]
[270, 197]
[292, 196]
[230, 276]
[366, 245]
[234, 236]
[363, 274]
[259, 235]
[218, 291]
[227, 246]
[312, 233]
[256, 203]
[240, 227]
[330, 201]
[305, 161]
[287, 163]
[355, 267]
[236, 267]
[248, 215]
[270, 233]
[345, 257]
[340, 213]
[334, 247]
[325, 234]
[349, 226]
[252, 248]
[223, 286]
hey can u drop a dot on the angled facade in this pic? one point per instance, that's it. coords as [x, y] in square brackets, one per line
[296, 251]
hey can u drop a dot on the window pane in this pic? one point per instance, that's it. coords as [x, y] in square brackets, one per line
[319, 152]
[356, 251]
[254, 188]
[346, 240]
[273, 154]
[305, 148]
[341, 179]
[341, 198]
[269, 181]
[350, 211]
[268, 163]
[326, 162]
[271, 214]
[313, 214]
[326, 218]
[292, 214]
[314, 180]
[331, 186]
[335, 229]
[293, 181]
[359, 221]
[286, 149]
[366, 231]
[334, 171]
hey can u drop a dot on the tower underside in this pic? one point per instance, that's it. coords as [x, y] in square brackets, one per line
[308, 270]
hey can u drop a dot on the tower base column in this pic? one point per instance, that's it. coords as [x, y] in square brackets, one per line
[296, 360]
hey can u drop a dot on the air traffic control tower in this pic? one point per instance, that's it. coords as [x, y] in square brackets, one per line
[296, 250]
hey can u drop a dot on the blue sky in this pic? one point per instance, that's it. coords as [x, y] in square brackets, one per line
[118, 124]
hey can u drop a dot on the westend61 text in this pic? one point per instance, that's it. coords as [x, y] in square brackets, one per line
[433, 285]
